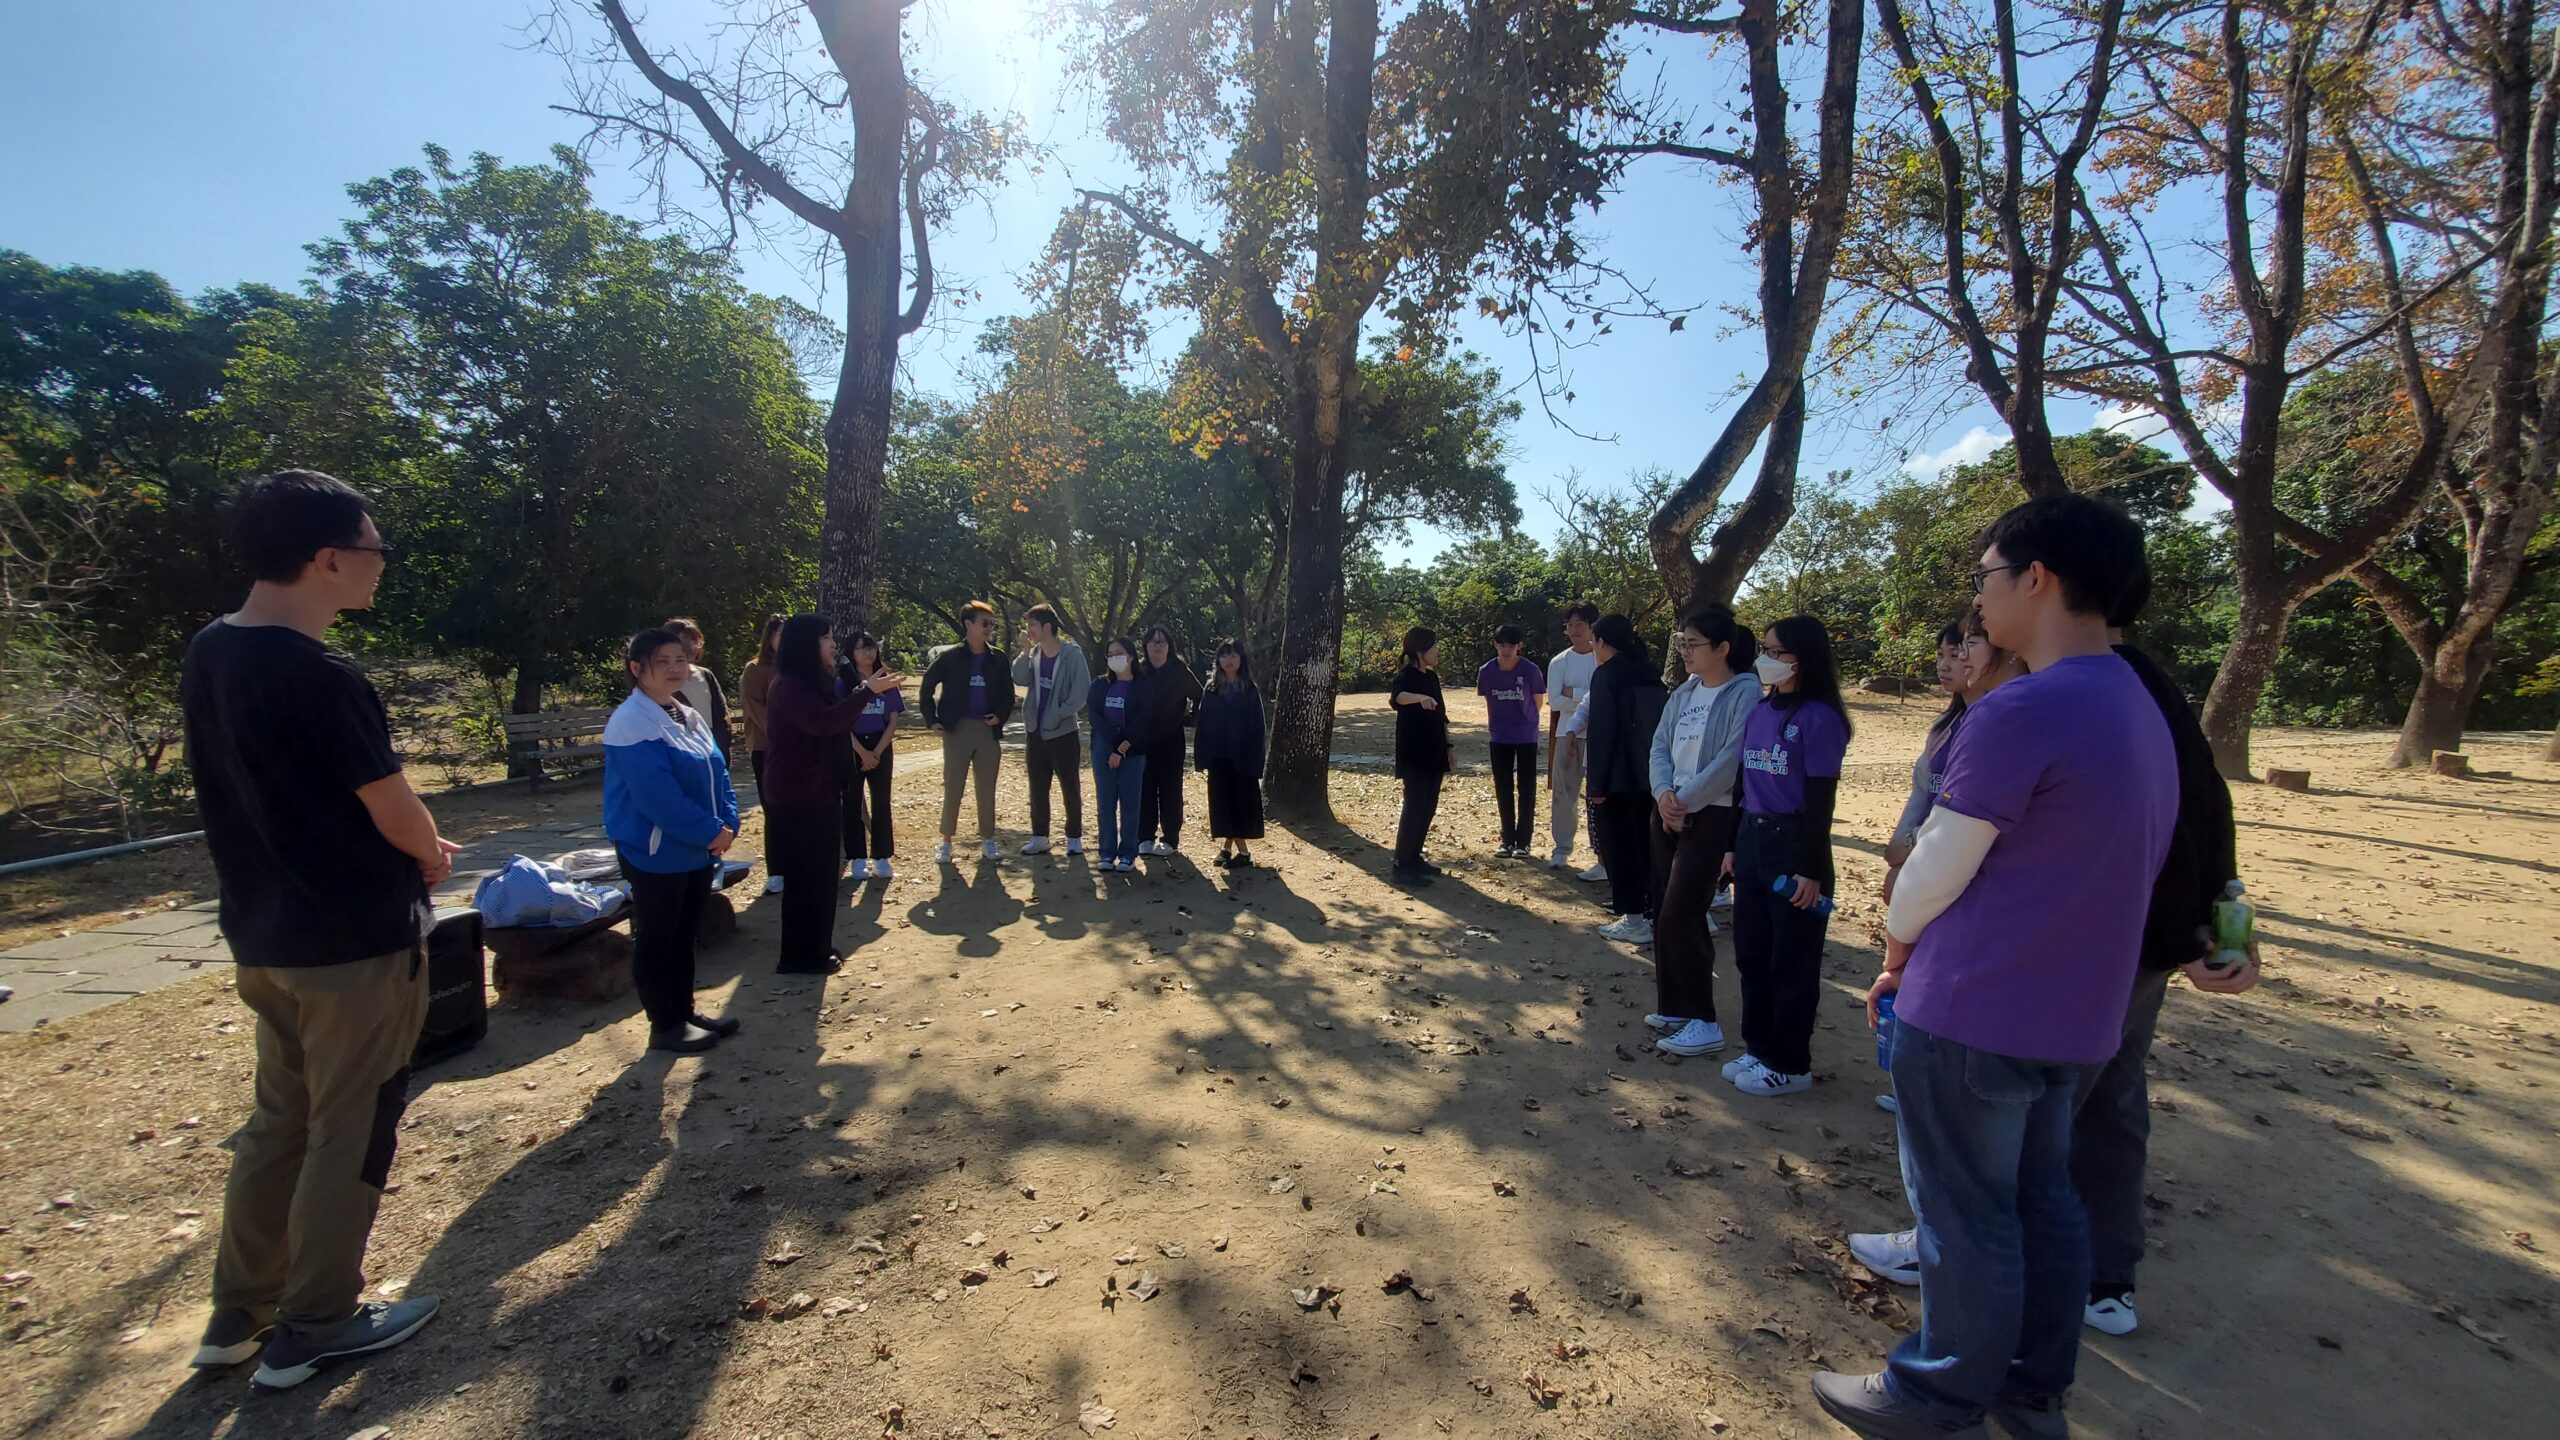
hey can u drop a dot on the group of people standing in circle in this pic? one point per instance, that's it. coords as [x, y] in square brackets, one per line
[821, 737]
[1730, 778]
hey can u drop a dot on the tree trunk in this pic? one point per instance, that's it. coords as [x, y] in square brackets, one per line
[2448, 686]
[526, 700]
[858, 427]
[2257, 634]
[1310, 671]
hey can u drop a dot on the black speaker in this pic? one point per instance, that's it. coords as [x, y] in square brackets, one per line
[457, 987]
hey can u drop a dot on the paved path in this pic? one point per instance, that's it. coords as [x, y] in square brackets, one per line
[67, 975]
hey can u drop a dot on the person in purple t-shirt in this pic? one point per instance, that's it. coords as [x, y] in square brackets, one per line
[2010, 947]
[1793, 743]
[1514, 690]
[868, 841]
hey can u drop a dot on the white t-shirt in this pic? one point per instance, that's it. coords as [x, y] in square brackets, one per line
[1569, 679]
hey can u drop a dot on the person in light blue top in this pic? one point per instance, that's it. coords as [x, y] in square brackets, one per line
[1695, 769]
[1116, 712]
[671, 814]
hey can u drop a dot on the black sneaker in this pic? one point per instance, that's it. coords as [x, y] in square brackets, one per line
[2022, 1418]
[294, 1356]
[1241, 862]
[1405, 875]
[231, 1337]
[682, 1040]
[723, 1028]
[1226, 858]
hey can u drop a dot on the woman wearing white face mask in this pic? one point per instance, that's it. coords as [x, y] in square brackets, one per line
[1792, 746]
[1114, 711]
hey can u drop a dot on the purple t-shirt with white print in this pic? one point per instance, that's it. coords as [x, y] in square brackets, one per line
[2073, 766]
[1512, 700]
[1783, 741]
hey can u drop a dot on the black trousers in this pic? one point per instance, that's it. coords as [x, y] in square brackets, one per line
[2111, 1140]
[1160, 791]
[1061, 759]
[1421, 804]
[1515, 789]
[1777, 948]
[1235, 803]
[666, 917]
[866, 812]
[1686, 865]
[1617, 832]
[755, 762]
[800, 846]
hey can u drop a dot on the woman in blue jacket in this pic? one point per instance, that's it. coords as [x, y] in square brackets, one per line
[671, 815]
[1115, 711]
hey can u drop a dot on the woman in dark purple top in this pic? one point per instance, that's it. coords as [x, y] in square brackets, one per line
[803, 809]
[1792, 747]
[868, 758]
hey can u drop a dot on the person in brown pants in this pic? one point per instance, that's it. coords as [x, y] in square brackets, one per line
[325, 857]
[966, 697]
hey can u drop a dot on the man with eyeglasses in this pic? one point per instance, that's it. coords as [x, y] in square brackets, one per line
[324, 856]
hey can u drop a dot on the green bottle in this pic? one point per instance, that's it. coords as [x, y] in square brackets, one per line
[2235, 924]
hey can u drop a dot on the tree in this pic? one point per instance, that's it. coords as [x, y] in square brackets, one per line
[1797, 220]
[1346, 164]
[756, 120]
[591, 400]
[1601, 553]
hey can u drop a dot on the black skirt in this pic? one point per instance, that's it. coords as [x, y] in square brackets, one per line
[1235, 804]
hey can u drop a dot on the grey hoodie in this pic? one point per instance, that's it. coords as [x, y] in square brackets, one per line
[1072, 678]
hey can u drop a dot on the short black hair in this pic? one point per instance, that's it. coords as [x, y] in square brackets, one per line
[1508, 635]
[1041, 615]
[1716, 625]
[1583, 610]
[645, 646]
[1417, 642]
[279, 521]
[2091, 545]
[1619, 634]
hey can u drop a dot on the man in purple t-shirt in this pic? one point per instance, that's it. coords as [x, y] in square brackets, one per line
[2010, 946]
[1513, 689]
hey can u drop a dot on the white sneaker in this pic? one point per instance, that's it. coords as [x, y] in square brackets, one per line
[880, 871]
[1168, 848]
[1124, 864]
[1556, 861]
[773, 884]
[1595, 874]
[1666, 1022]
[1639, 931]
[1146, 847]
[857, 870]
[1698, 1037]
[1888, 1105]
[1075, 844]
[1723, 900]
[1611, 929]
[1733, 1068]
[1761, 1080]
[2111, 1316]
[992, 850]
[1894, 1257]
[942, 853]
[1036, 845]
[1711, 924]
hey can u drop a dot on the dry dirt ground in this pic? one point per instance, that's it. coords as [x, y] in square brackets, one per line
[1304, 1155]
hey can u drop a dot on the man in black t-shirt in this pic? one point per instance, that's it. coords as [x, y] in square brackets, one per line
[324, 857]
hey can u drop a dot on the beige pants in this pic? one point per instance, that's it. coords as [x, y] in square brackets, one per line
[307, 1170]
[969, 747]
[1564, 793]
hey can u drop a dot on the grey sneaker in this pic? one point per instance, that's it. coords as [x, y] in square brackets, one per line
[294, 1356]
[1867, 1405]
[231, 1337]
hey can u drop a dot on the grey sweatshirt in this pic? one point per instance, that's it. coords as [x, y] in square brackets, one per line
[1071, 679]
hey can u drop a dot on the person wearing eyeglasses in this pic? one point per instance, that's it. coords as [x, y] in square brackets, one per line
[324, 857]
[966, 697]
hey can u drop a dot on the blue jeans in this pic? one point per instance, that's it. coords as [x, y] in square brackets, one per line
[2004, 1244]
[1115, 803]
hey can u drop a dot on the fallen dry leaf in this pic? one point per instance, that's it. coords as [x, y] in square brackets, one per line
[2362, 1131]
[1043, 1279]
[783, 1256]
[1217, 1242]
[1313, 1296]
[800, 1303]
[1505, 1187]
[1148, 1287]
[1547, 1395]
[1094, 1417]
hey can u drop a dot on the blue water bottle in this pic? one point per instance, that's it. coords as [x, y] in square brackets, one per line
[1785, 885]
[1884, 1032]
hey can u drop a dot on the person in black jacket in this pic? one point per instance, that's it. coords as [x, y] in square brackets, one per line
[1173, 702]
[1626, 705]
[2111, 1127]
[1423, 756]
[1234, 738]
[967, 697]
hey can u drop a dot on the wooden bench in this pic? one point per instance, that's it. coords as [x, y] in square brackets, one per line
[573, 738]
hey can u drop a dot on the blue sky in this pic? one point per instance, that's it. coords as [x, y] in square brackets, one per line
[210, 143]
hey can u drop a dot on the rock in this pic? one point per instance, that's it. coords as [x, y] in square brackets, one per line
[2298, 781]
[2452, 764]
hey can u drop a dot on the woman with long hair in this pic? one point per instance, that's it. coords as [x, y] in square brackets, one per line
[1173, 703]
[1116, 715]
[1234, 740]
[1924, 767]
[1423, 755]
[1793, 744]
[804, 810]
[1695, 767]
[1617, 777]
[753, 684]
[868, 841]
[671, 814]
